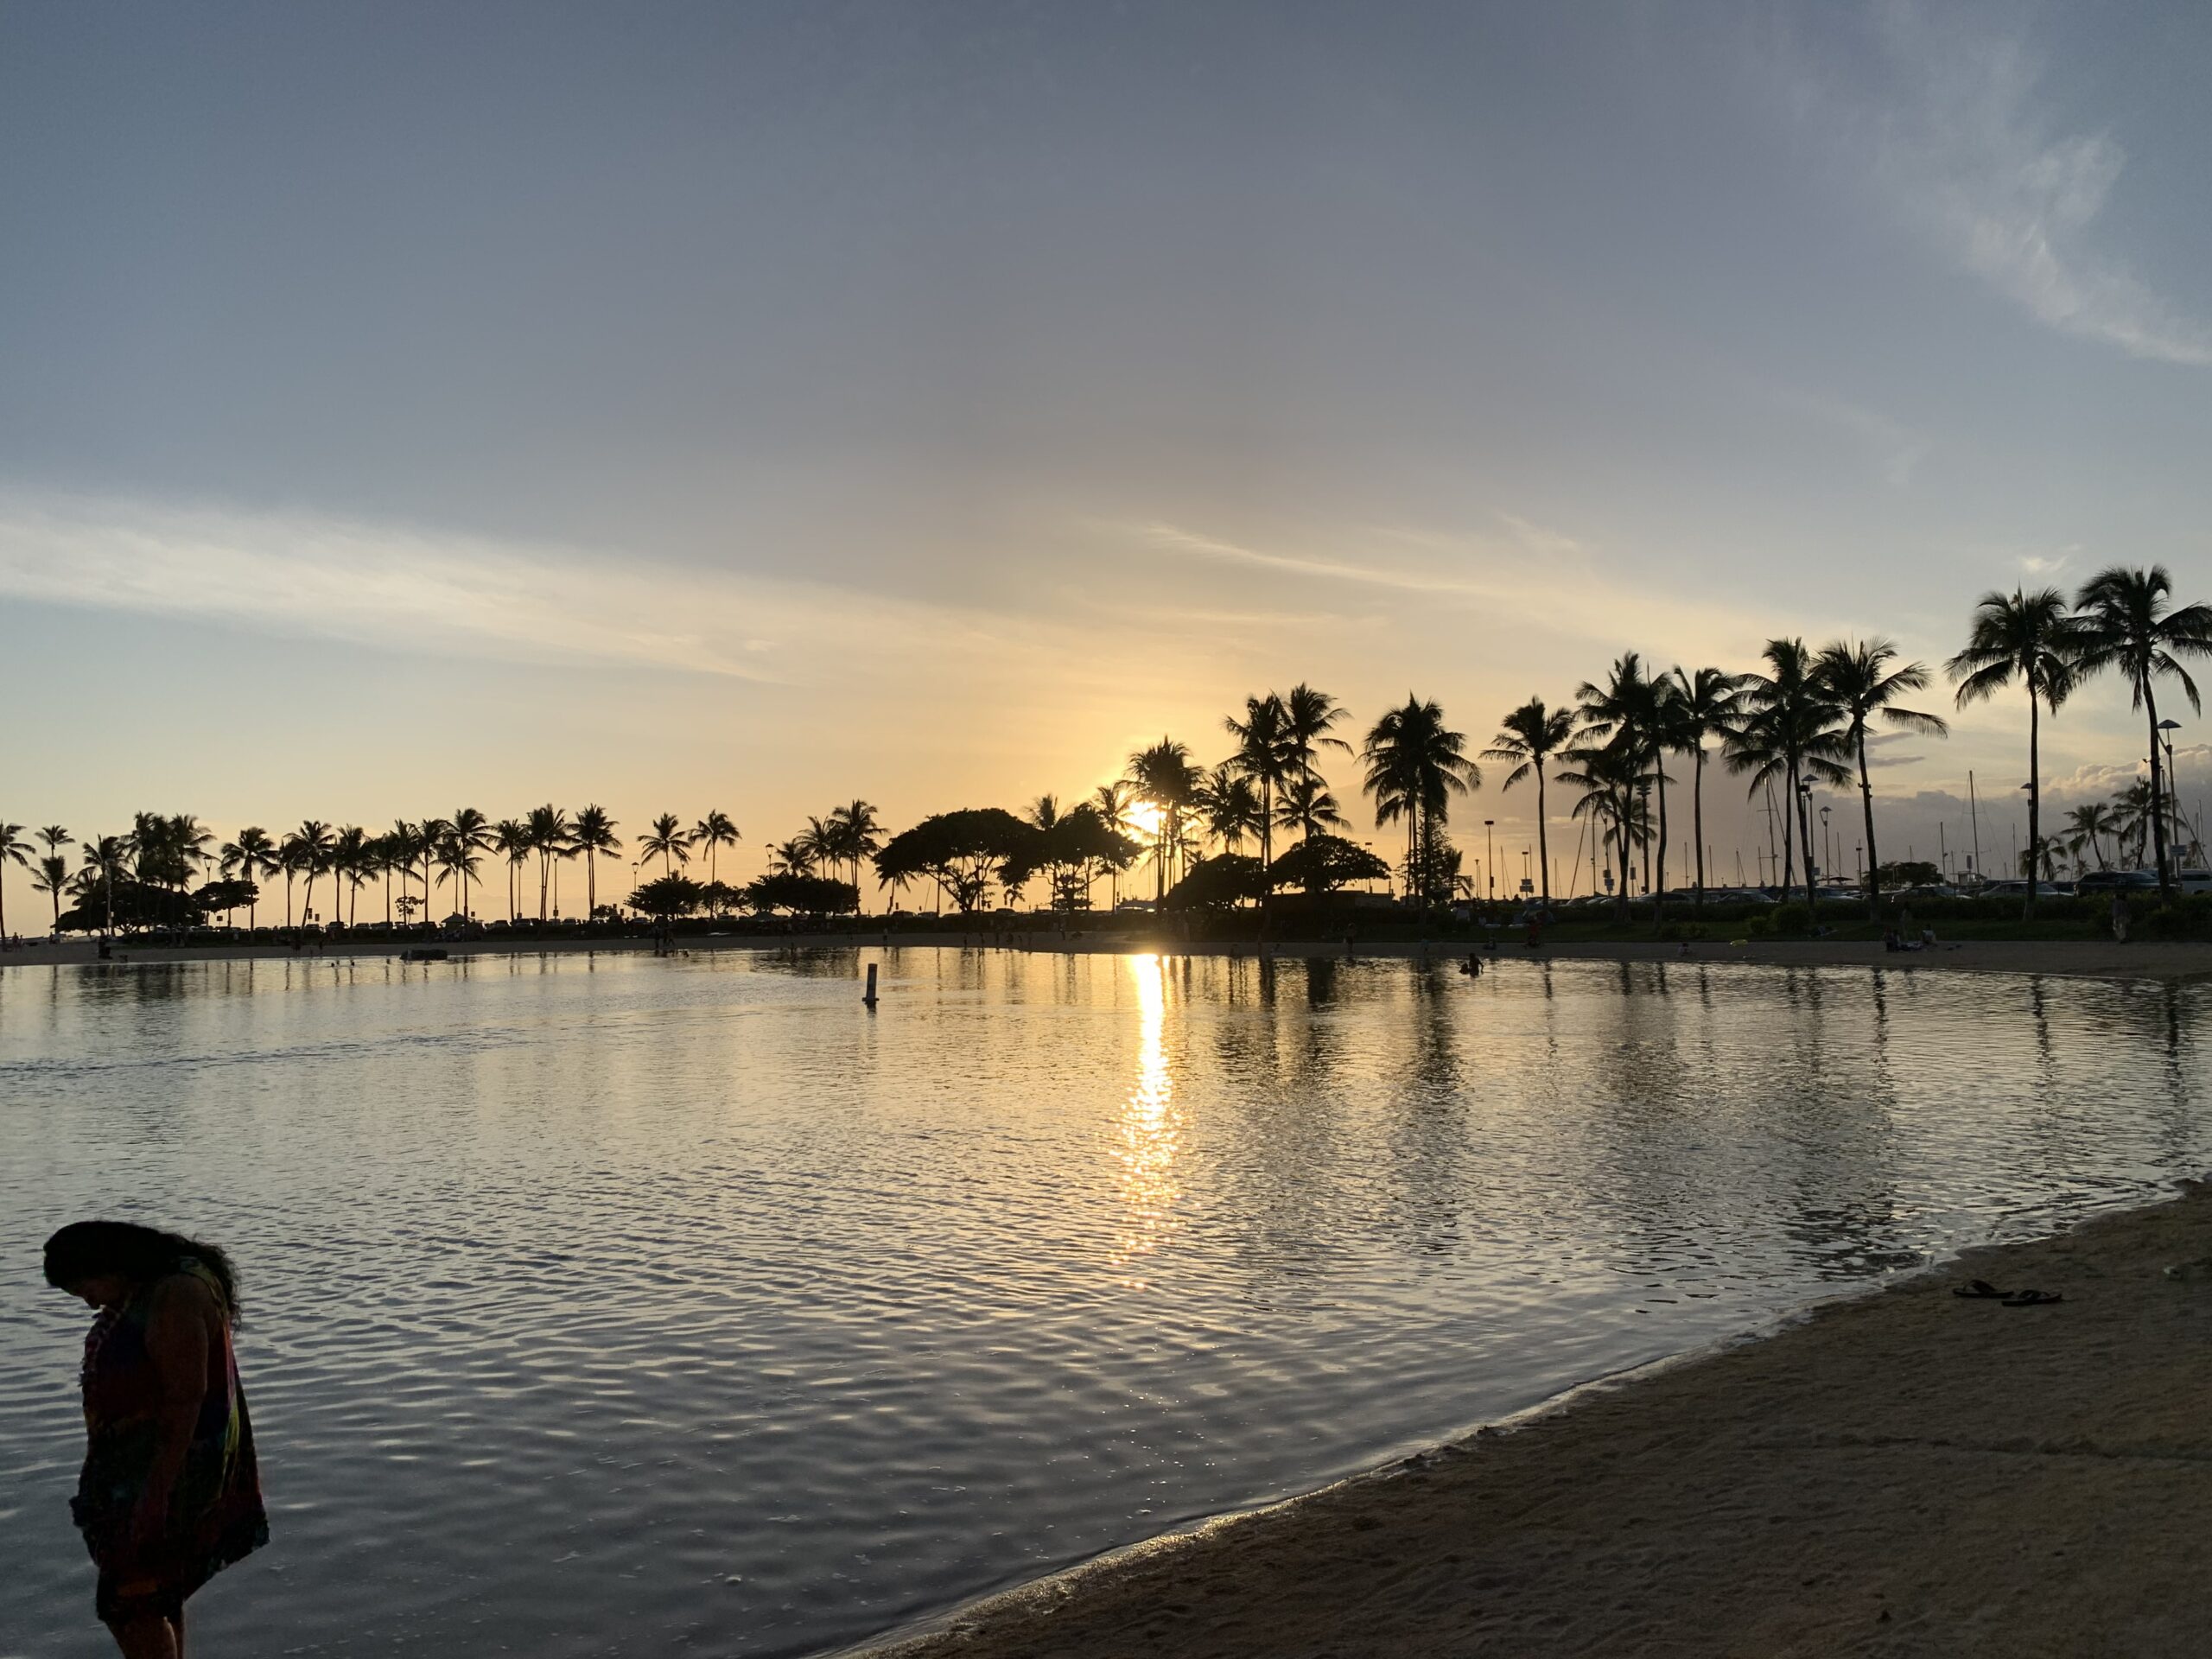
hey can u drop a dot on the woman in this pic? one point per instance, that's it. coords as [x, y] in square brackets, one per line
[170, 1495]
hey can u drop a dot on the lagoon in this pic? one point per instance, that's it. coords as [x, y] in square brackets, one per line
[610, 1305]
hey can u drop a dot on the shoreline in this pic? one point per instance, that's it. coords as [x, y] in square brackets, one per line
[2168, 963]
[1901, 1471]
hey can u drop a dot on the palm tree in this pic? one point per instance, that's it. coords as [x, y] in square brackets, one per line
[1705, 705]
[1111, 803]
[1308, 716]
[667, 843]
[1306, 806]
[469, 832]
[2090, 824]
[822, 844]
[550, 837]
[1863, 683]
[1415, 763]
[310, 845]
[792, 857]
[104, 857]
[1789, 731]
[594, 836]
[858, 834]
[2033, 636]
[51, 878]
[1263, 758]
[251, 857]
[14, 849]
[1528, 736]
[714, 832]
[510, 841]
[431, 832]
[2125, 623]
[1628, 710]
[349, 862]
[1607, 775]
[457, 858]
[1231, 809]
[1164, 776]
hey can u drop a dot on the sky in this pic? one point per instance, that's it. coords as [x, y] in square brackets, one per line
[757, 407]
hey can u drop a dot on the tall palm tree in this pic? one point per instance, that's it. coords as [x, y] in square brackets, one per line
[103, 858]
[310, 845]
[858, 834]
[714, 832]
[1229, 808]
[1306, 806]
[14, 849]
[2126, 623]
[1789, 732]
[821, 843]
[55, 837]
[468, 832]
[1164, 776]
[349, 862]
[792, 857]
[667, 843]
[550, 835]
[1262, 757]
[51, 878]
[510, 841]
[2033, 637]
[1606, 776]
[1415, 763]
[2089, 824]
[593, 836]
[1863, 685]
[1309, 715]
[432, 835]
[251, 857]
[1706, 705]
[1627, 710]
[1528, 737]
[457, 858]
[1111, 803]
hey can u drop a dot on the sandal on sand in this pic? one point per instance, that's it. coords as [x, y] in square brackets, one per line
[2033, 1299]
[1980, 1290]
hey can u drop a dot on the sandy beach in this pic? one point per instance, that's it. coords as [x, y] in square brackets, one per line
[2070, 958]
[1905, 1473]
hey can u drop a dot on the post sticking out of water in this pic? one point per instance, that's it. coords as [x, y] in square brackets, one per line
[869, 998]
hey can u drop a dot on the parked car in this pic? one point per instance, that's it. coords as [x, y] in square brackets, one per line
[2019, 889]
[2130, 881]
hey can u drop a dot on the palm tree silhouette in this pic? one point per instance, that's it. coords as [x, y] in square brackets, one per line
[1628, 710]
[667, 843]
[858, 833]
[1860, 680]
[14, 849]
[1415, 765]
[593, 836]
[714, 832]
[1306, 806]
[468, 833]
[2090, 824]
[1263, 758]
[1528, 736]
[1789, 731]
[1111, 803]
[251, 857]
[1163, 776]
[310, 845]
[510, 841]
[2031, 636]
[349, 862]
[431, 833]
[1705, 705]
[51, 878]
[2126, 624]
[1308, 716]
[104, 857]
[550, 837]
[1229, 808]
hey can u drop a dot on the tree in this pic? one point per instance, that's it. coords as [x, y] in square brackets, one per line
[1229, 809]
[2125, 623]
[1860, 679]
[809, 896]
[14, 849]
[310, 849]
[350, 863]
[592, 835]
[552, 836]
[1164, 777]
[714, 832]
[251, 857]
[1262, 757]
[792, 857]
[104, 857]
[1607, 775]
[1306, 806]
[1415, 765]
[666, 897]
[667, 843]
[2089, 824]
[962, 852]
[510, 841]
[2030, 637]
[1528, 737]
[1706, 705]
[1309, 715]
[1788, 731]
[468, 833]
[1219, 883]
[857, 833]
[51, 878]
[1323, 864]
[1911, 872]
[1111, 803]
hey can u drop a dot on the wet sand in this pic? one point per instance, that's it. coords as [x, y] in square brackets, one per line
[1906, 1473]
[2067, 957]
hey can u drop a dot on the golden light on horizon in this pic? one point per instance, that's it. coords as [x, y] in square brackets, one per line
[1144, 820]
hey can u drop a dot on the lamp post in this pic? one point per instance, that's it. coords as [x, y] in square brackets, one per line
[2035, 853]
[1489, 875]
[1805, 821]
[1828, 841]
[2173, 790]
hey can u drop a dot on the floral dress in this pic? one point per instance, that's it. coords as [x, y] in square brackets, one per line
[215, 1516]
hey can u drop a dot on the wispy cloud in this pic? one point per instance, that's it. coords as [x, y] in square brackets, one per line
[1170, 539]
[1964, 146]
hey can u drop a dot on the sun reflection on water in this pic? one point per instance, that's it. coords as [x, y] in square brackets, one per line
[1149, 1129]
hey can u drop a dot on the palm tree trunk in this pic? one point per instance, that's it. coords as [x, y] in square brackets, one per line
[2157, 808]
[1866, 802]
[591, 882]
[1543, 847]
[1697, 821]
[1659, 894]
[2034, 794]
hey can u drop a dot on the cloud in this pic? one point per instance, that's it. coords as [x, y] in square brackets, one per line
[420, 590]
[1969, 157]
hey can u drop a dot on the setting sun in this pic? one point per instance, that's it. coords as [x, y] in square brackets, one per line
[1143, 819]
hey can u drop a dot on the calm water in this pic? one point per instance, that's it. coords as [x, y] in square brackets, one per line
[611, 1305]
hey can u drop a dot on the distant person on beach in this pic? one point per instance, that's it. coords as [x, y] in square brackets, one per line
[2119, 916]
[170, 1494]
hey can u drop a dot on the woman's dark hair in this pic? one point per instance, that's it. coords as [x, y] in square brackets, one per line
[85, 1249]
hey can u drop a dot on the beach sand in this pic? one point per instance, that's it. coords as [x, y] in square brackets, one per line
[1905, 1473]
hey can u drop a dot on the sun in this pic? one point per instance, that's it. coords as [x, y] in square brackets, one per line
[1143, 819]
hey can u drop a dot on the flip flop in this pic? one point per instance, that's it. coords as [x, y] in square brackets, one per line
[2033, 1299]
[1980, 1290]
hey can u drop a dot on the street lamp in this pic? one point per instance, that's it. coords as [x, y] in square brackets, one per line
[2173, 791]
[1812, 876]
[1489, 875]
[1828, 841]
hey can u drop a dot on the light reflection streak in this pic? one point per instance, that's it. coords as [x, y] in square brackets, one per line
[1149, 1129]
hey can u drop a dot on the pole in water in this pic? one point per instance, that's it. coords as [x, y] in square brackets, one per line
[869, 997]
